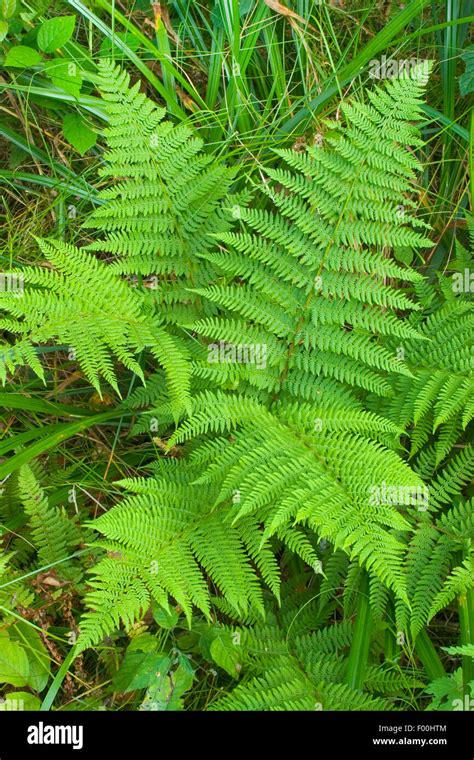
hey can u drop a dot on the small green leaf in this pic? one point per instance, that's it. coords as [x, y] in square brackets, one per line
[55, 32]
[78, 134]
[21, 57]
[182, 679]
[38, 657]
[184, 662]
[20, 700]
[3, 30]
[140, 669]
[166, 692]
[64, 74]
[14, 666]
[8, 8]
[143, 643]
[225, 653]
[446, 690]
[165, 618]
[404, 254]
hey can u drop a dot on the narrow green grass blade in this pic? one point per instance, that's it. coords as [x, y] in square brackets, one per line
[57, 681]
[55, 439]
[40, 155]
[45, 90]
[31, 404]
[466, 625]
[174, 108]
[17, 179]
[376, 45]
[360, 645]
[19, 439]
[428, 656]
[162, 53]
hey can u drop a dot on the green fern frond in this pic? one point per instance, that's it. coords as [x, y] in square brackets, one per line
[52, 533]
[165, 537]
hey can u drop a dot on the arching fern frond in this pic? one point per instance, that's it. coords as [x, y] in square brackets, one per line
[163, 541]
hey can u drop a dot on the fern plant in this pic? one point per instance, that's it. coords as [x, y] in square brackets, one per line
[312, 285]
[166, 200]
[164, 540]
[290, 448]
[437, 406]
[434, 407]
[274, 334]
[81, 304]
[296, 662]
[50, 535]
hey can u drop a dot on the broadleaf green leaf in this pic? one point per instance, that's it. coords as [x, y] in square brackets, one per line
[55, 32]
[64, 74]
[20, 700]
[140, 669]
[78, 133]
[225, 653]
[8, 8]
[38, 657]
[22, 57]
[14, 665]
[165, 618]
